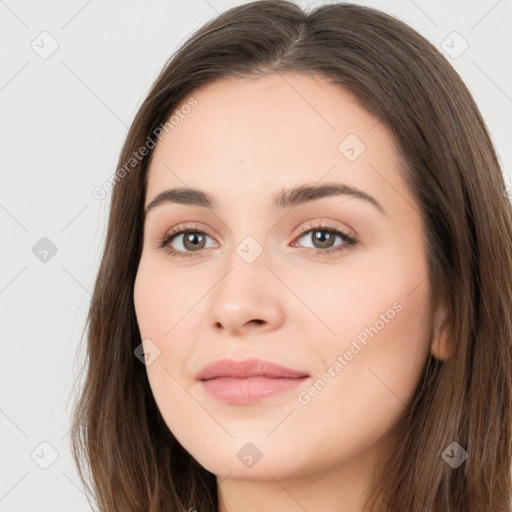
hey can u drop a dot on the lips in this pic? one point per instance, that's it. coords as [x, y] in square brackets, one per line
[247, 368]
[249, 381]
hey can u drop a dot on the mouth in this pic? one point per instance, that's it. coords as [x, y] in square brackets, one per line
[249, 381]
[249, 389]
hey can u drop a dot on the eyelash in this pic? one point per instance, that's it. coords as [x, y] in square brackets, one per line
[350, 242]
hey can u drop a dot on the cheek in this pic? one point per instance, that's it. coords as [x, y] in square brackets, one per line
[361, 397]
[163, 309]
[159, 300]
[382, 336]
[159, 307]
[383, 297]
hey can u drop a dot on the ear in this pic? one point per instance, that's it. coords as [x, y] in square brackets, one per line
[442, 345]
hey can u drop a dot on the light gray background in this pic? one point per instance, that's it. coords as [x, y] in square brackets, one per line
[63, 121]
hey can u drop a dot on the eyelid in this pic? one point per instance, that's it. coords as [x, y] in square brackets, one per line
[321, 223]
[317, 224]
[188, 226]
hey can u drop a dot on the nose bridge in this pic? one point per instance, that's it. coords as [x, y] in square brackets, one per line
[246, 292]
[247, 268]
[249, 238]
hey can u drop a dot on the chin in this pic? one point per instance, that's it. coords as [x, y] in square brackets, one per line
[256, 460]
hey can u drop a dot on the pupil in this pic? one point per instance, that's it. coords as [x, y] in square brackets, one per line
[192, 238]
[325, 238]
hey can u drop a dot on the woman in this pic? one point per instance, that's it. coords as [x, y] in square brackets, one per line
[305, 296]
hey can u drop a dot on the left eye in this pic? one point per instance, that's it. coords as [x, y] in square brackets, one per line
[323, 244]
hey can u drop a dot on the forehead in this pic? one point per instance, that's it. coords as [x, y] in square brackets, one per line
[258, 134]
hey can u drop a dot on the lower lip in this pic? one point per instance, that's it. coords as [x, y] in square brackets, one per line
[249, 390]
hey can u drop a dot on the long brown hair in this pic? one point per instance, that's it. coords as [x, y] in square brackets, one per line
[118, 435]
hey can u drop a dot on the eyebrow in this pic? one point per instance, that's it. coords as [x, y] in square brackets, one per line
[283, 199]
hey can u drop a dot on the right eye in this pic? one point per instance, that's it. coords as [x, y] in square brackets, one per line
[189, 240]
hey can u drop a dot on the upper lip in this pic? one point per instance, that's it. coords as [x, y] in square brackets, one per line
[247, 368]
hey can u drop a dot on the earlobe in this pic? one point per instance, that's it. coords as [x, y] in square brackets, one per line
[442, 346]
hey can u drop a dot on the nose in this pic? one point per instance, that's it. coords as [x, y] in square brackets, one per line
[247, 298]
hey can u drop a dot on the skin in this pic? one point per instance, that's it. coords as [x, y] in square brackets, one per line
[245, 140]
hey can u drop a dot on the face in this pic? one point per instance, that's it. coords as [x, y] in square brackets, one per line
[330, 284]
